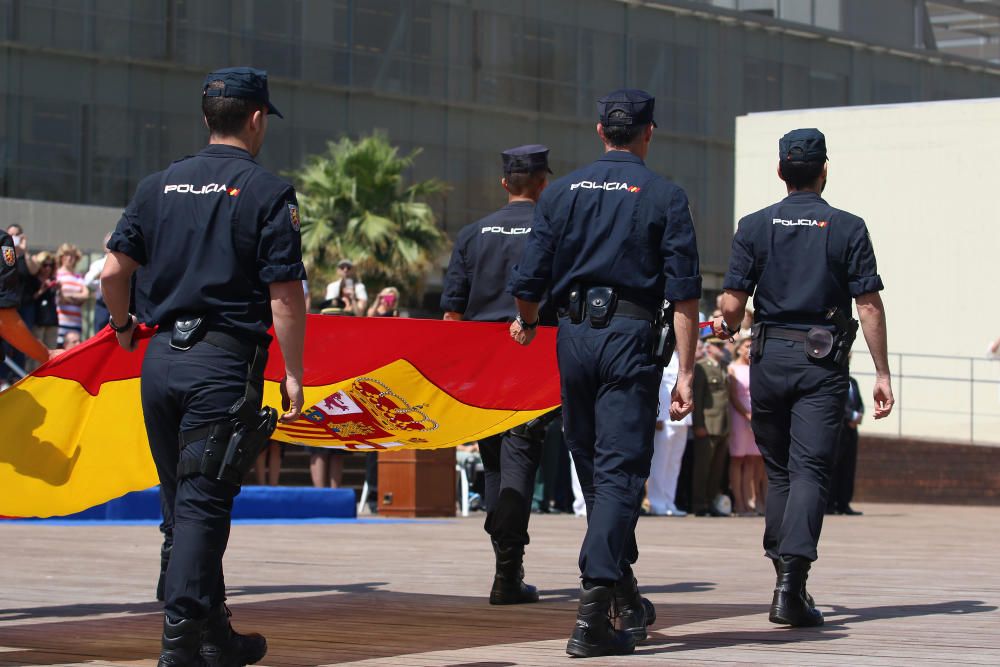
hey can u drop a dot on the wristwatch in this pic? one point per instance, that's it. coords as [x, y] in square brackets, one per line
[123, 328]
[524, 325]
[726, 331]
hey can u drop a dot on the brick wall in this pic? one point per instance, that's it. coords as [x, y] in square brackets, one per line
[908, 470]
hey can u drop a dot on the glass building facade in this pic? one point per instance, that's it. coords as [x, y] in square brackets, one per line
[94, 94]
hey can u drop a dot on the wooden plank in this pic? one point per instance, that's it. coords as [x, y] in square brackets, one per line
[902, 585]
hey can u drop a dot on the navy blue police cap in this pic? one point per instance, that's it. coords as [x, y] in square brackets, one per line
[533, 157]
[245, 82]
[804, 145]
[636, 104]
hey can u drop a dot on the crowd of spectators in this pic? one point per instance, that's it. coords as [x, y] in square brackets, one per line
[54, 299]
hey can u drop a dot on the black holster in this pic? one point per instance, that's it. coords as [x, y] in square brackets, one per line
[233, 444]
[664, 336]
[574, 308]
[534, 430]
[843, 340]
[758, 333]
[601, 302]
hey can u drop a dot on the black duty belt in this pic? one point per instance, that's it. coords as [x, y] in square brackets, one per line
[242, 348]
[623, 308]
[783, 333]
[633, 310]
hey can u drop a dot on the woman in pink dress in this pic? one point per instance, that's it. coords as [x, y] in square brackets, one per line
[746, 466]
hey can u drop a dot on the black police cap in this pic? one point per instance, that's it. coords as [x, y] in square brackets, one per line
[245, 82]
[532, 157]
[804, 145]
[637, 106]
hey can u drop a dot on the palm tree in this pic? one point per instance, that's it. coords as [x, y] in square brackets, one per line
[353, 204]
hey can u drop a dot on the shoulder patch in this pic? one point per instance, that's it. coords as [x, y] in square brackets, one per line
[9, 258]
[293, 213]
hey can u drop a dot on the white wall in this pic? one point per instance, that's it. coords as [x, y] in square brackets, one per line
[923, 178]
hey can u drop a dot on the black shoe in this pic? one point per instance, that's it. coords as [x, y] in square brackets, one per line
[805, 593]
[181, 640]
[633, 611]
[850, 511]
[594, 635]
[508, 583]
[789, 605]
[221, 646]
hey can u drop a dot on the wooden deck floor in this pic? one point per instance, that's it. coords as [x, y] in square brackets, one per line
[903, 585]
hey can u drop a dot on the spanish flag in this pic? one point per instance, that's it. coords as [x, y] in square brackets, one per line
[72, 434]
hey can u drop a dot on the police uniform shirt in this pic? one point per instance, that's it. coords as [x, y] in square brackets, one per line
[211, 232]
[613, 223]
[803, 257]
[10, 291]
[475, 283]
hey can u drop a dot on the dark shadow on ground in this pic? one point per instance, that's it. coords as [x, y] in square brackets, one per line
[350, 623]
[835, 626]
[100, 608]
[362, 621]
[573, 594]
[840, 616]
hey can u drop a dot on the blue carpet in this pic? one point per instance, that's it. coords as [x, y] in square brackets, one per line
[64, 521]
[279, 503]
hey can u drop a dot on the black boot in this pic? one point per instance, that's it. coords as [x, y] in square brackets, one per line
[789, 606]
[634, 612]
[594, 635]
[224, 647]
[181, 640]
[508, 583]
[805, 593]
[164, 561]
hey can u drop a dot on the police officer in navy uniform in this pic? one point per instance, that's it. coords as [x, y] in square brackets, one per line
[475, 289]
[13, 329]
[612, 240]
[214, 243]
[803, 261]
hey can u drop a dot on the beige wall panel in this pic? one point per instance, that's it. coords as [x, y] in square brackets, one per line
[921, 177]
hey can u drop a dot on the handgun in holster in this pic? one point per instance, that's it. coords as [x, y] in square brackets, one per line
[534, 430]
[233, 443]
[843, 340]
[664, 336]
[249, 435]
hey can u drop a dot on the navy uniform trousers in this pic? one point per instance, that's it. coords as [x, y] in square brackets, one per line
[797, 407]
[181, 391]
[510, 462]
[610, 388]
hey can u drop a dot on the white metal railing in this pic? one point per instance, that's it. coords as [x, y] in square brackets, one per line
[937, 396]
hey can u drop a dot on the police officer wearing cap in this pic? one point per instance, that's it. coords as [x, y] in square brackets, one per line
[613, 241]
[804, 261]
[475, 290]
[213, 241]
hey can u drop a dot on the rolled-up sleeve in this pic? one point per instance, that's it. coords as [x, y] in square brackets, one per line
[862, 270]
[455, 295]
[279, 251]
[680, 251]
[128, 237]
[742, 274]
[531, 277]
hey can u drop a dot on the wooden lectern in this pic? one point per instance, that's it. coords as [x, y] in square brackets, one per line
[416, 483]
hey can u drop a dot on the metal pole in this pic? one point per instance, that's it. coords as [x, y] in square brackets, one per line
[972, 399]
[899, 422]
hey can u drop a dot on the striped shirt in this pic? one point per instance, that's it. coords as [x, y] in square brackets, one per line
[70, 315]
